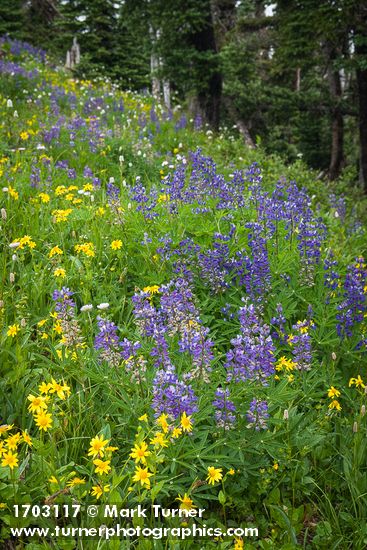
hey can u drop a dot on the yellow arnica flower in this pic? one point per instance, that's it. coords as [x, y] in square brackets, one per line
[9, 459]
[153, 289]
[37, 404]
[142, 475]
[13, 330]
[62, 390]
[176, 432]
[186, 423]
[159, 439]
[55, 250]
[357, 382]
[162, 422]
[75, 481]
[97, 446]
[5, 428]
[13, 441]
[140, 452]
[102, 466]
[43, 421]
[143, 418]
[335, 405]
[98, 490]
[116, 245]
[45, 198]
[3, 449]
[60, 272]
[214, 475]
[333, 392]
[238, 544]
[44, 388]
[186, 502]
[27, 438]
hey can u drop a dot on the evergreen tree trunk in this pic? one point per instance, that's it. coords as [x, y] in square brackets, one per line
[337, 121]
[361, 74]
[209, 95]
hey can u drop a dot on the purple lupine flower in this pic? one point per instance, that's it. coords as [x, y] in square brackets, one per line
[257, 415]
[171, 395]
[225, 409]
[107, 342]
[194, 340]
[301, 344]
[311, 235]
[252, 353]
[279, 321]
[65, 310]
[354, 305]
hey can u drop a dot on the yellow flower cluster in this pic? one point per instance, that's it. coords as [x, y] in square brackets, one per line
[101, 452]
[333, 393]
[9, 445]
[23, 242]
[61, 215]
[38, 404]
[85, 248]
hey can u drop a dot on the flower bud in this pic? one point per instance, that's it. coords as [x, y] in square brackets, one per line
[23, 323]
[3, 214]
[355, 427]
[12, 277]
[285, 414]
[333, 356]
[363, 410]
[9, 104]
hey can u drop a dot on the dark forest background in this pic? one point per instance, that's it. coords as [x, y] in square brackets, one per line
[292, 75]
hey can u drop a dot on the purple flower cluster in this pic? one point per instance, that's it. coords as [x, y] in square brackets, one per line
[354, 305]
[107, 342]
[171, 395]
[279, 321]
[301, 344]
[252, 353]
[65, 309]
[257, 415]
[225, 409]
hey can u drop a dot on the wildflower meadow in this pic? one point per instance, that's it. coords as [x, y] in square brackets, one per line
[183, 329]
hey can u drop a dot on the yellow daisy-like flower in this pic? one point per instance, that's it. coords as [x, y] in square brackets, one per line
[5, 428]
[24, 135]
[159, 440]
[76, 481]
[62, 390]
[60, 272]
[27, 438]
[3, 449]
[116, 245]
[142, 475]
[176, 432]
[13, 441]
[335, 405]
[231, 472]
[102, 466]
[333, 392]
[140, 452]
[186, 502]
[153, 289]
[98, 490]
[97, 446]
[43, 421]
[238, 544]
[53, 480]
[56, 250]
[357, 382]
[37, 404]
[44, 388]
[214, 475]
[44, 197]
[162, 422]
[13, 330]
[9, 459]
[186, 423]
[143, 418]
